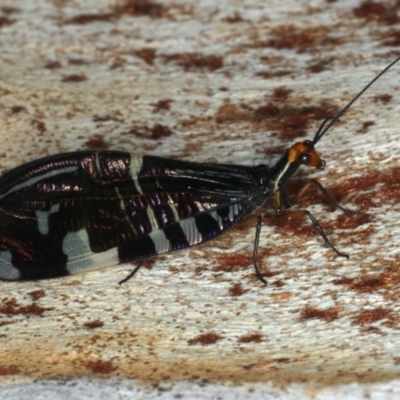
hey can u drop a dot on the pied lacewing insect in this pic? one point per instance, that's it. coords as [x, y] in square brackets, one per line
[72, 212]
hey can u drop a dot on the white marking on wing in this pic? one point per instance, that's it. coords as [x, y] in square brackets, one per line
[7, 270]
[172, 206]
[192, 234]
[234, 210]
[152, 219]
[161, 243]
[199, 206]
[43, 218]
[135, 168]
[81, 257]
[217, 218]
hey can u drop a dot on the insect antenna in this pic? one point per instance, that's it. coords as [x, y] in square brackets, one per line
[328, 122]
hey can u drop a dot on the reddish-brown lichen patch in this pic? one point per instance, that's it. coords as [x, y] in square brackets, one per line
[391, 38]
[117, 62]
[282, 297]
[11, 307]
[291, 122]
[77, 61]
[371, 330]
[371, 316]
[391, 185]
[53, 65]
[387, 191]
[193, 121]
[251, 338]
[365, 126]
[195, 61]
[101, 367]
[132, 8]
[93, 324]
[273, 74]
[4, 323]
[366, 284]
[162, 105]
[37, 294]
[205, 339]
[266, 111]
[273, 59]
[237, 290]
[283, 360]
[4, 91]
[39, 125]
[105, 118]
[96, 142]
[351, 221]
[328, 315]
[301, 39]
[146, 54]
[231, 262]
[385, 13]
[16, 110]
[297, 225]
[9, 10]
[258, 365]
[139, 8]
[74, 78]
[278, 283]
[320, 65]
[383, 98]
[281, 93]
[9, 370]
[355, 186]
[233, 18]
[158, 131]
[5, 21]
[83, 19]
[228, 113]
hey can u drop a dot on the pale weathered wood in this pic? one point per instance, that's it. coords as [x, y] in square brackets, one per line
[201, 314]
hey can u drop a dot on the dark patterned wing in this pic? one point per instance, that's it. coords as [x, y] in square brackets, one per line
[77, 211]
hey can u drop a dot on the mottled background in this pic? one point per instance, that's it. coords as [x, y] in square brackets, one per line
[230, 82]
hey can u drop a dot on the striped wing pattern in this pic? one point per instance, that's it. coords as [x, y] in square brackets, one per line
[77, 211]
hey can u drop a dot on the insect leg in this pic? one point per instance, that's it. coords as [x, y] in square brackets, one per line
[302, 213]
[133, 272]
[255, 251]
[315, 183]
[282, 204]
